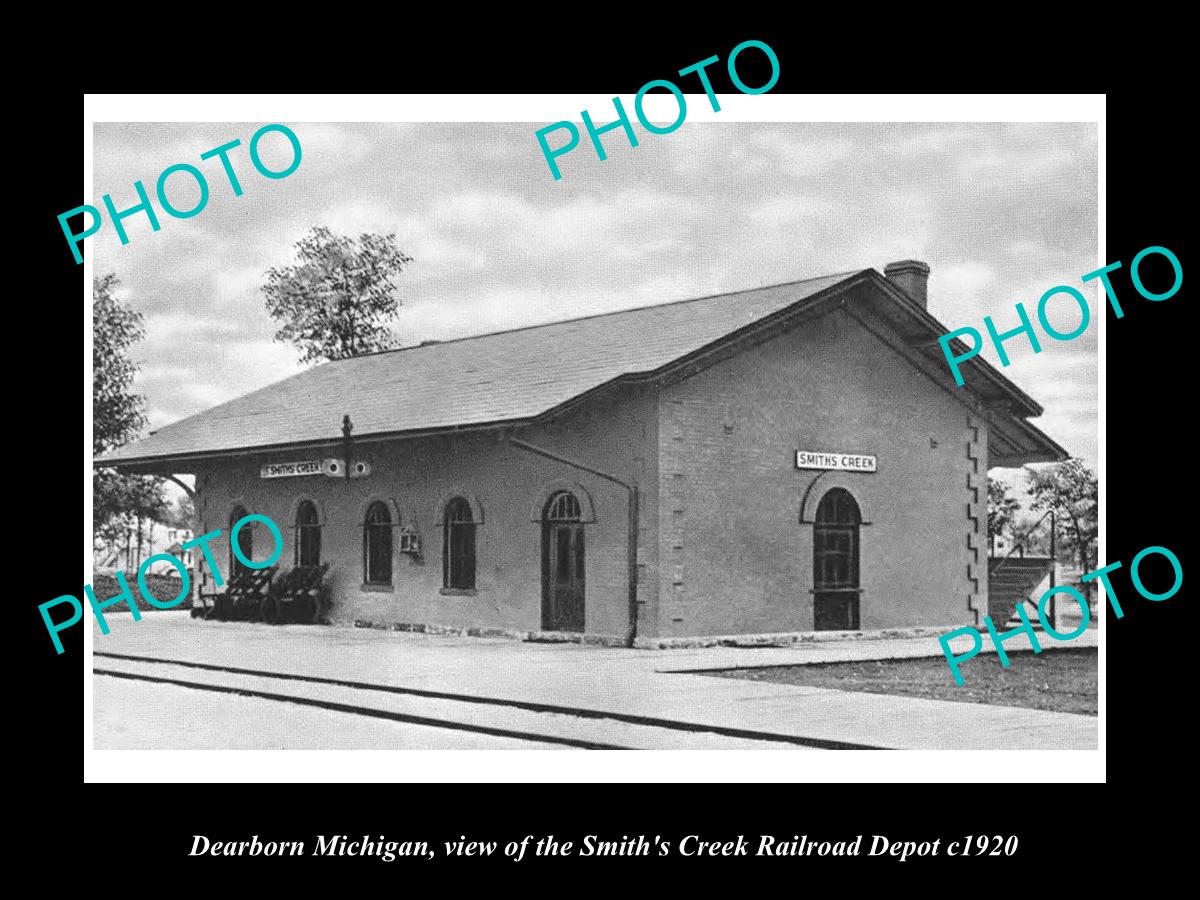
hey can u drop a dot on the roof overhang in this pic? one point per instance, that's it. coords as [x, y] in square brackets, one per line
[1013, 442]
[921, 331]
[868, 296]
[189, 462]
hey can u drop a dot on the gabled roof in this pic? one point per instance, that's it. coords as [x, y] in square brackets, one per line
[503, 377]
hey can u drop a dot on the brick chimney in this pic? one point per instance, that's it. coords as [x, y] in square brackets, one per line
[912, 277]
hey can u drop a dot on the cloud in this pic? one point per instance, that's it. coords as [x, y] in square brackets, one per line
[431, 250]
[356, 218]
[205, 395]
[1026, 247]
[163, 372]
[1000, 212]
[803, 157]
[158, 416]
[782, 212]
[171, 327]
[321, 143]
[994, 163]
[965, 279]
[237, 283]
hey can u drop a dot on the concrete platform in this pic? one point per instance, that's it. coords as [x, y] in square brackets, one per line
[651, 683]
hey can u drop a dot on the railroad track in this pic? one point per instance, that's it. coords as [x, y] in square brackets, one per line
[535, 722]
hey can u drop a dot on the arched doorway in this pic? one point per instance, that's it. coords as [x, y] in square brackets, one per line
[562, 564]
[835, 562]
[458, 550]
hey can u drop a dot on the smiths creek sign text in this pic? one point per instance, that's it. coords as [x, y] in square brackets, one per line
[841, 462]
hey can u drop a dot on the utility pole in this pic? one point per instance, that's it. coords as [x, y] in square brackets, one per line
[196, 527]
[1053, 566]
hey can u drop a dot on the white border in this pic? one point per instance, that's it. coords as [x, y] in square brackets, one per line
[563, 766]
[88, 498]
[1101, 308]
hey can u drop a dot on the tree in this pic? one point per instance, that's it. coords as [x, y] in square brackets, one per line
[118, 415]
[1029, 533]
[121, 500]
[1071, 490]
[183, 513]
[1002, 511]
[336, 302]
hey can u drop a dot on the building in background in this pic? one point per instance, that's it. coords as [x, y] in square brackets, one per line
[128, 552]
[790, 458]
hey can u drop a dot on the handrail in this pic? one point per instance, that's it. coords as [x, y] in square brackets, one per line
[1020, 545]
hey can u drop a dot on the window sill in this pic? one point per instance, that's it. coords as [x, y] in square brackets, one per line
[457, 592]
[378, 588]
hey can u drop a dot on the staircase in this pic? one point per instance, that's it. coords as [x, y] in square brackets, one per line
[1010, 581]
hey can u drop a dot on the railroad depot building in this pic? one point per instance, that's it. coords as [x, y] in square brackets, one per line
[786, 459]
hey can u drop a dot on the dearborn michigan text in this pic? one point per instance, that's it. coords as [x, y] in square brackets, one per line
[593, 845]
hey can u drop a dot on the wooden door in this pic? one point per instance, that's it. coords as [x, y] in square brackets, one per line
[835, 563]
[563, 576]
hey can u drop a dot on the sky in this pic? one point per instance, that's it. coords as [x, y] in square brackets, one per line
[1001, 212]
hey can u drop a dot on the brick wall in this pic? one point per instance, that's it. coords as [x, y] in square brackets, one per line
[977, 530]
[722, 548]
[735, 556]
[415, 477]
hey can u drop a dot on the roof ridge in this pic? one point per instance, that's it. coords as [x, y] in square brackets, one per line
[614, 312]
[328, 364]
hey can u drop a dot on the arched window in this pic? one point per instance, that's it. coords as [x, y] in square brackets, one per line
[835, 562]
[308, 535]
[563, 507]
[245, 541]
[377, 545]
[458, 551]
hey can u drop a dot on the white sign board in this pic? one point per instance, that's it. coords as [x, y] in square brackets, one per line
[291, 469]
[837, 461]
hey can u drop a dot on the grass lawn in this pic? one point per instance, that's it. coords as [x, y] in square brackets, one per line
[1058, 680]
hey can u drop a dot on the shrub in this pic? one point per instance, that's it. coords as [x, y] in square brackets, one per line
[164, 588]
